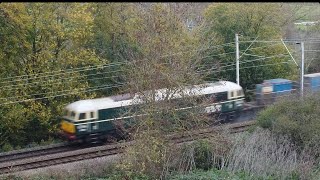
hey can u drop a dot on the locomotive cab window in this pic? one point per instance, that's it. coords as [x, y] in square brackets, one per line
[91, 114]
[239, 93]
[72, 114]
[65, 113]
[231, 94]
[82, 116]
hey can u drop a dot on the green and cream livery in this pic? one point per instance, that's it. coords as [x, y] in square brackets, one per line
[98, 118]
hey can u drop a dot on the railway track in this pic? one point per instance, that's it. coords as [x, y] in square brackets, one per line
[37, 151]
[209, 132]
[48, 156]
[65, 157]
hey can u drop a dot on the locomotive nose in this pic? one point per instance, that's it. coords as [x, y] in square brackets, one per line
[67, 127]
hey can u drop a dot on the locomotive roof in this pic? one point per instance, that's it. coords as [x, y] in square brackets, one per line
[127, 99]
[312, 75]
[277, 81]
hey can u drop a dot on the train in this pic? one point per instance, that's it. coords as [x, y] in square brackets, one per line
[93, 120]
[270, 90]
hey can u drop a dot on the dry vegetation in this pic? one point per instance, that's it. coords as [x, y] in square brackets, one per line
[265, 154]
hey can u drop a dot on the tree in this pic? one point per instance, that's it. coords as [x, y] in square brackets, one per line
[115, 26]
[297, 119]
[165, 62]
[40, 41]
[262, 21]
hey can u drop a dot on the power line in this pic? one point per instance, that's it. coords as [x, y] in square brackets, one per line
[83, 69]
[311, 50]
[73, 70]
[253, 60]
[210, 70]
[285, 40]
[281, 55]
[70, 69]
[256, 66]
[59, 82]
[66, 78]
[259, 47]
[197, 50]
[52, 75]
[106, 87]
[247, 47]
[197, 71]
[243, 53]
[38, 94]
[261, 41]
[79, 70]
[88, 90]
[100, 66]
[240, 51]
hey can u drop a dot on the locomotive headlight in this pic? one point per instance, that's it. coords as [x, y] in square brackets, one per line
[68, 127]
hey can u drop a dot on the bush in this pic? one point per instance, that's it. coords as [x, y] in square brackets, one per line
[263, 154]
[296, 118]
[145, 158]
[202, 154]
[211, 175]
[7, 147]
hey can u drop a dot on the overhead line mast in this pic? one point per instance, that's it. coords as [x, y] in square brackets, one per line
[237, 59]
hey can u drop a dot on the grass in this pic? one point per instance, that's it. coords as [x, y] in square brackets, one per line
[256, 155]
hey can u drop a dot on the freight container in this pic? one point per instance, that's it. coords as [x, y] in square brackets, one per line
[312, 82]
[279, 86]
[269, 90]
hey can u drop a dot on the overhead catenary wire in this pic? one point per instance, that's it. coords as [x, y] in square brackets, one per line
[53, 96]
[70, 70]
[59, 82]
[311, 50]
[285, 40]
[79, 70]
[264, 58]
[289, 53]
[168, 55]
[248, 47]
[211, 72]
[232, 63]
[82, 69]
[248, 61]
[228, 65]
[39, 94]
[107, 87]
[198, 71]
[53, 75]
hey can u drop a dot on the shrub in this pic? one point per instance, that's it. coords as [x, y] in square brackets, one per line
[201, 154]
[270, 156]
[211, 175]
[7, 147]
[264, 154]
[145, 158]
[296, 118]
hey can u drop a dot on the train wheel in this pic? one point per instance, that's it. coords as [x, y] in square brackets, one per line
[93, 138]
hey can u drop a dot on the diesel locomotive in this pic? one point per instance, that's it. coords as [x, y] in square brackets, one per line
[92, 119]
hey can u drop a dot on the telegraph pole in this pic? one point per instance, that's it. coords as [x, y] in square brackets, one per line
[302, 70]
[237, 59]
